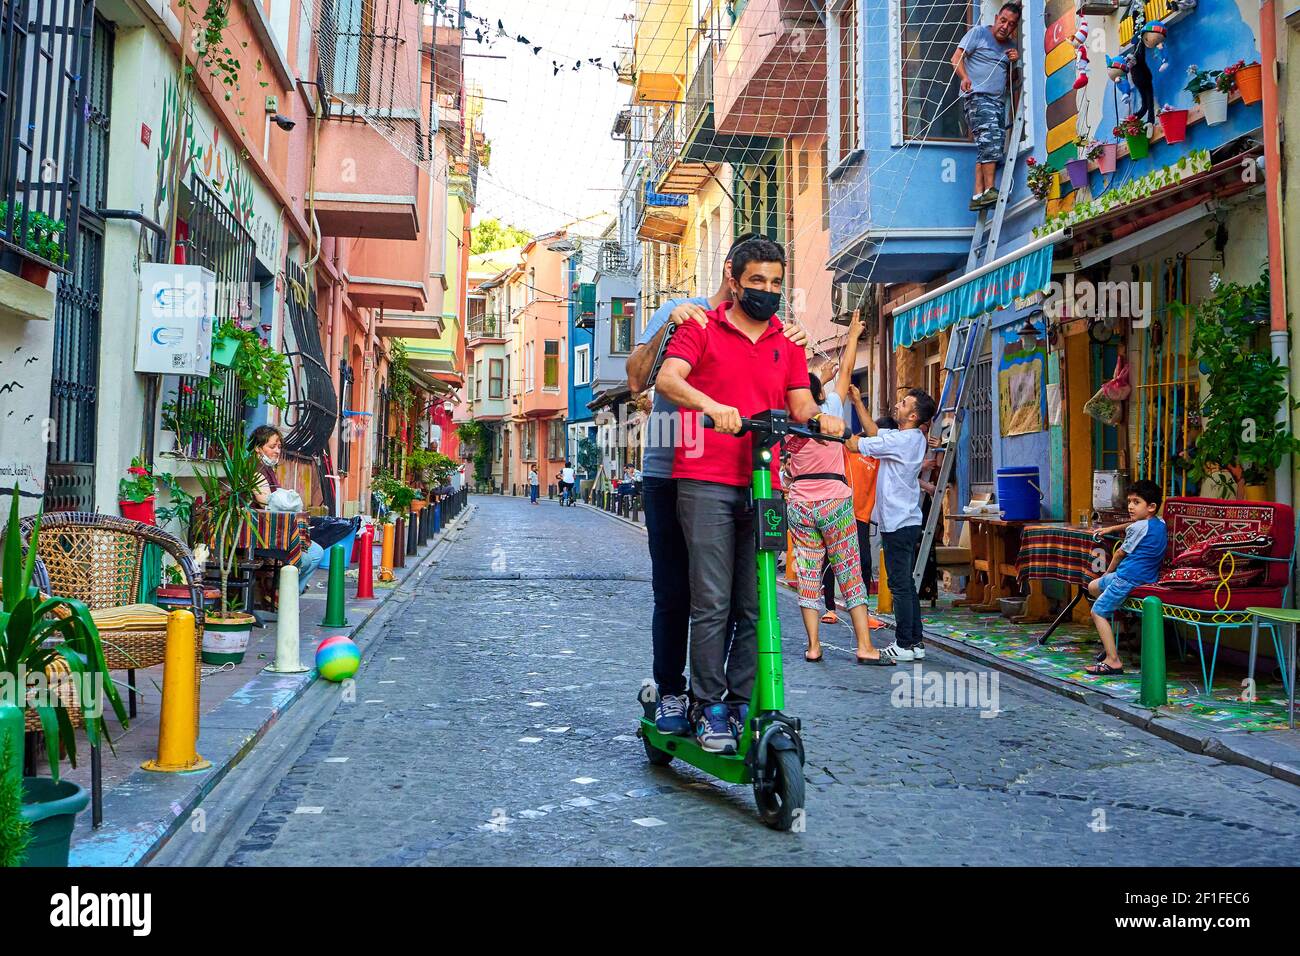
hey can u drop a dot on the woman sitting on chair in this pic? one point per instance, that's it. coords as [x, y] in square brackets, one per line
[267, 443]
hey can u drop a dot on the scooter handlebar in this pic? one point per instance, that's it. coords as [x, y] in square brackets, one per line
[799, 431]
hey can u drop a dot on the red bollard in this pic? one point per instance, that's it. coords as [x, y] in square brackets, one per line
[366, 561]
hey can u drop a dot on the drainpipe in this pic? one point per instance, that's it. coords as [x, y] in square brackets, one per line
[1279, 336]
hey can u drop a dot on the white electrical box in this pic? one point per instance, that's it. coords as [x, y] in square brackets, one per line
[176, 319]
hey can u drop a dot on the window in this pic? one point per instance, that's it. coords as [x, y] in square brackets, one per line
[847, 25]
[622, 317]
[532, 286]
[555, 439]
[494, 378]
[929, 33]
[551, 365]
[530, 440]
[529, 369]
[803, 170]
[582, 365]
[507, 378]
[758, 201]
[702, 266]
[478, 380]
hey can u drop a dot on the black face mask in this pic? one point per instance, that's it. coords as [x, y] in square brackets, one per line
[758, 304]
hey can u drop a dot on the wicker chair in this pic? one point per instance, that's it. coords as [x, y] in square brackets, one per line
[97, 559]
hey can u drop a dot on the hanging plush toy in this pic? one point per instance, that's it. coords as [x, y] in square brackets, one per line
[1154, 35]
[1143, 82]
[1080, 43]
[1117, 70]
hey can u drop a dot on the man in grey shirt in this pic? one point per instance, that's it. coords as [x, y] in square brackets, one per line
[982, 62]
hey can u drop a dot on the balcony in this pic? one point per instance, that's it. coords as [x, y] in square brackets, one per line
[404, 325]
[486, 329]
[771, 74]
[658, 50]
[686, 141]
[614, 259]
[660, 217]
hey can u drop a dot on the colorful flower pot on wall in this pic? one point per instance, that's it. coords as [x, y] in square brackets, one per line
[1138, 146]
[1214, 106]
[1106, 161]
[1250, 83]
[1077, 169]
[224, 350]
[1174, 123]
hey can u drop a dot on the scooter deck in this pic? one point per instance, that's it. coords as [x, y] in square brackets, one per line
[731, 768]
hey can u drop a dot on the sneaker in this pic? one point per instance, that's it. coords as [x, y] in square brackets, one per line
[670, 715]
[898, 654]
[987, 198]
[918, 651]
[713, 730]
[738, 719]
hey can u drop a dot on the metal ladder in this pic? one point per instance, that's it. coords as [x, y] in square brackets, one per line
[988, 225]
[964, 350]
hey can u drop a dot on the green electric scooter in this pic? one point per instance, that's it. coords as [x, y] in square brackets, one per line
[770, 752]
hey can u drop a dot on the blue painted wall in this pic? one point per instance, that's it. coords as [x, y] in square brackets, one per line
[579, 395]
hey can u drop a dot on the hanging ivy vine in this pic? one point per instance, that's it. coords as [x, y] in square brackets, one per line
[401, 384]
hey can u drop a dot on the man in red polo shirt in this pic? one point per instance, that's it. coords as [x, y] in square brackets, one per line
[737, 365]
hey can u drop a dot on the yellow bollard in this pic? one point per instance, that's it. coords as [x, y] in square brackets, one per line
[178, 726]
[386, 556]
[884, 600]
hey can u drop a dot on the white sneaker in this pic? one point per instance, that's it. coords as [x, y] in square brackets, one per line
[896, 653]
[918, 652]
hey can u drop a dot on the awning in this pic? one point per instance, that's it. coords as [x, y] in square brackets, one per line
[989, 288]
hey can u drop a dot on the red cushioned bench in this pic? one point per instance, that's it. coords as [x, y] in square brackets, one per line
[1191, 521]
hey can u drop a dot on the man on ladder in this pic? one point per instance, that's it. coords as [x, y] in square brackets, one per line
[982, 62]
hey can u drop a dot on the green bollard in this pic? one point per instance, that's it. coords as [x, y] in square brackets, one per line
[335, 616]
[1154, 693]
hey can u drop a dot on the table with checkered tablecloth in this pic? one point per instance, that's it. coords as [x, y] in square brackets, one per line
[1059, 552]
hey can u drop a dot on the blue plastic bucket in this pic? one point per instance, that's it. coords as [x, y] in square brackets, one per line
[1018, 493]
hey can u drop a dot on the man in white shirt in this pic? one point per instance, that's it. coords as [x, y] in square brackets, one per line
[566, 483]
[901, 452]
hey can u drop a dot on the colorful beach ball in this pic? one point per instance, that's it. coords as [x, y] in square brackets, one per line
[337, 658]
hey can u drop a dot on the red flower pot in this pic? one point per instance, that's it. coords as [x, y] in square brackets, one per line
[1174, 123]
[138, 510]
[35, 273]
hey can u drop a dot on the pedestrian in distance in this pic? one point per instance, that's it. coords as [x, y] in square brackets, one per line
[669, 572]
[1136, 562]
[534, 484]
[898, 512]
[819, 503]
[567, 481]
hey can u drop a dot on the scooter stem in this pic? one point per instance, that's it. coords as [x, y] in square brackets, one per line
[769, 687]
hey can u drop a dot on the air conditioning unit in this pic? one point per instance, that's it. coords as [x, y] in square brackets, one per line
[854, 295]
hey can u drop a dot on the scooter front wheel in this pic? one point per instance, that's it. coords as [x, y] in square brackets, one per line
[657, 757]
[780, 793]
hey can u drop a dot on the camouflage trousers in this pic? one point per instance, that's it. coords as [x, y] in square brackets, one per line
[984, 112]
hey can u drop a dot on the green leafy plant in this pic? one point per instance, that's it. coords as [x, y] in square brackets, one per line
[1196, 161]
[139, 485]
[262, 371]
[181, 504]
[44, 234]
[401, 499]
[15, 831]
[195, 418]
[230, 492]
[28, 626]
[1246, 388]
[401, 384]
[1201, 81]
[1039, 177]
[588, 455]
[418, 461]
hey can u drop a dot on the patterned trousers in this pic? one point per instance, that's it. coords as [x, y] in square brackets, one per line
[826, 531]
[984, 115]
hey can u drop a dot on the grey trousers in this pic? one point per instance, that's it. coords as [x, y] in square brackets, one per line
[718, 524]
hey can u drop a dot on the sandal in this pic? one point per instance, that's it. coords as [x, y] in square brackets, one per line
[830, 618]
[881, 661]
[1103, 670]
[813, 660]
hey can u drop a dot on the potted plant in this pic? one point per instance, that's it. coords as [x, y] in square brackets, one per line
[29, 627]
[1174, 123]
[224, 346]
[15, 829]
[44, 239]
[230, 497]
[1077, 169]
[1240, 440]
[1134, 132]
[135, 493]
[1203, 85]
[1248, 78]
[1040, 178]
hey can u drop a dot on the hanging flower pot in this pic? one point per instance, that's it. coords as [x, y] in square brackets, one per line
[224, 350]
[1078, 172]
[1214, 105]
[1250, 83]
[1106, 161]
[139, 510]
[1138, 146]
[1174, 123]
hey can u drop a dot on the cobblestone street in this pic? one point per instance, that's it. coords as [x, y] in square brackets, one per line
[494, 723]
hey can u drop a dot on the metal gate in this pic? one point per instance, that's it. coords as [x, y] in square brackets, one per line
[981, 423]
[74, 381]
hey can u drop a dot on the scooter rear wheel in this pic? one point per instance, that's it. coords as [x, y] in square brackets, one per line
[780, 794]
[657, 757]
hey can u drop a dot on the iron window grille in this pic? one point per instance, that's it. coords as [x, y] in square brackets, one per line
[313, 411]
[346, 376]
[45, 62]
